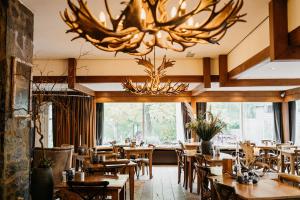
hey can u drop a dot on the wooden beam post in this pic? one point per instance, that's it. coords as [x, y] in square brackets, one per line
[283, 45]
[207, 72]
[72, 84]
[278, 28]
[223, 70]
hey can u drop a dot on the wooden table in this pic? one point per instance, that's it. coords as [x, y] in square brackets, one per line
[192, 145]
[266, 149]
[129, 168]
[264, 189]
[140, 150]
[291, 155]
[189, 159]
[116, 187]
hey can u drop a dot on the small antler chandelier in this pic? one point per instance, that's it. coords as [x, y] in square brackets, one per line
[153, 85]
[144, 24]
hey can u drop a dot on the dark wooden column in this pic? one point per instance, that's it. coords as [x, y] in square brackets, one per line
[223, 70]
[206, 72]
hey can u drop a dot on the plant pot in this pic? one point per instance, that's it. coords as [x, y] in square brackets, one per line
[207, 148]
[42, 184]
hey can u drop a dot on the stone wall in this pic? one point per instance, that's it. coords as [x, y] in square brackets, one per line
[16, 39]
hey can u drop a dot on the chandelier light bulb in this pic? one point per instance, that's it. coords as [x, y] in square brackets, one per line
[190, 22]
[183, 5]
[102, 17]
[143, 14]
[159, 34]
[173, 12]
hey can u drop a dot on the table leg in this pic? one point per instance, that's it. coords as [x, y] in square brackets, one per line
[131, 182]
[122, 193]
[292, 163]
[115, 194]
[186, 173]
[150, 165]
[190, 175]
[282, 163]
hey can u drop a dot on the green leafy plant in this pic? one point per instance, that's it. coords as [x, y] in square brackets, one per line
[206, 126]
[45, 163]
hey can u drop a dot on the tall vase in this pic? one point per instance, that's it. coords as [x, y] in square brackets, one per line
[206, 147]
[42, 184]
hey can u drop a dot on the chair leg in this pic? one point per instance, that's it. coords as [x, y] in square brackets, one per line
[179, 174]
[198, 184]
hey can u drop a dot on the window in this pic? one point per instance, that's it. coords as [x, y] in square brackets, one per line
[151, 122]
[297, 139]
[245, 121]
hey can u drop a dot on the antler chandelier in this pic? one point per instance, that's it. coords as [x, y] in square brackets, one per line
[144, 24]
[153, 85]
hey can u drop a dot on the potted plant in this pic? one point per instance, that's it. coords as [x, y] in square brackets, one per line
[41, 176]
[206, 127]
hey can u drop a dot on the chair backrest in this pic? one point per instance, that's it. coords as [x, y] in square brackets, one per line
[289, 179]
[224, 192]
[179, 153]
[248, 150]
[89, 190]
[200, 159]
[204, 172]
[181, 145]
[60, 156]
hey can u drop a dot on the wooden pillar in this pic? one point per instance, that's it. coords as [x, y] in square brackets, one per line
[206, 72]
[194, 108]
[223, 70]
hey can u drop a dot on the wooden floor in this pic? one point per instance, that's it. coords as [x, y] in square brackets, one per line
[163, 186]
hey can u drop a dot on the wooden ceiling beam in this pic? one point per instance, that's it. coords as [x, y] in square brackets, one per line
[262, 82]
[207, 72]
[251, 62]
[72, 82]
[223, 70]
[120, 79]
[294, 37]
[281, 42]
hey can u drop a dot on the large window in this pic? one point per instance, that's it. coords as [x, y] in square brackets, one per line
[245, 121]
[297, 140]
[151, 122]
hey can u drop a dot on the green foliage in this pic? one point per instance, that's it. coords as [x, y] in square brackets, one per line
[45, 163]
[122, 120]
[206, 126]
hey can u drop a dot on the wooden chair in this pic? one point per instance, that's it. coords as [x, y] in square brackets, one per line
[203, 182]
[223, 192]
[181, 145]
[89, 190]
[289, 179]
[200, 162]
[250, 160]
[180, 166]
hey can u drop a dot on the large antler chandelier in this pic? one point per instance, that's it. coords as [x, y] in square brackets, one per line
[144, 24]
[153, 85]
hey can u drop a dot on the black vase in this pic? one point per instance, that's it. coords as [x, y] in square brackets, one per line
[42, 184]
[206, 147]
